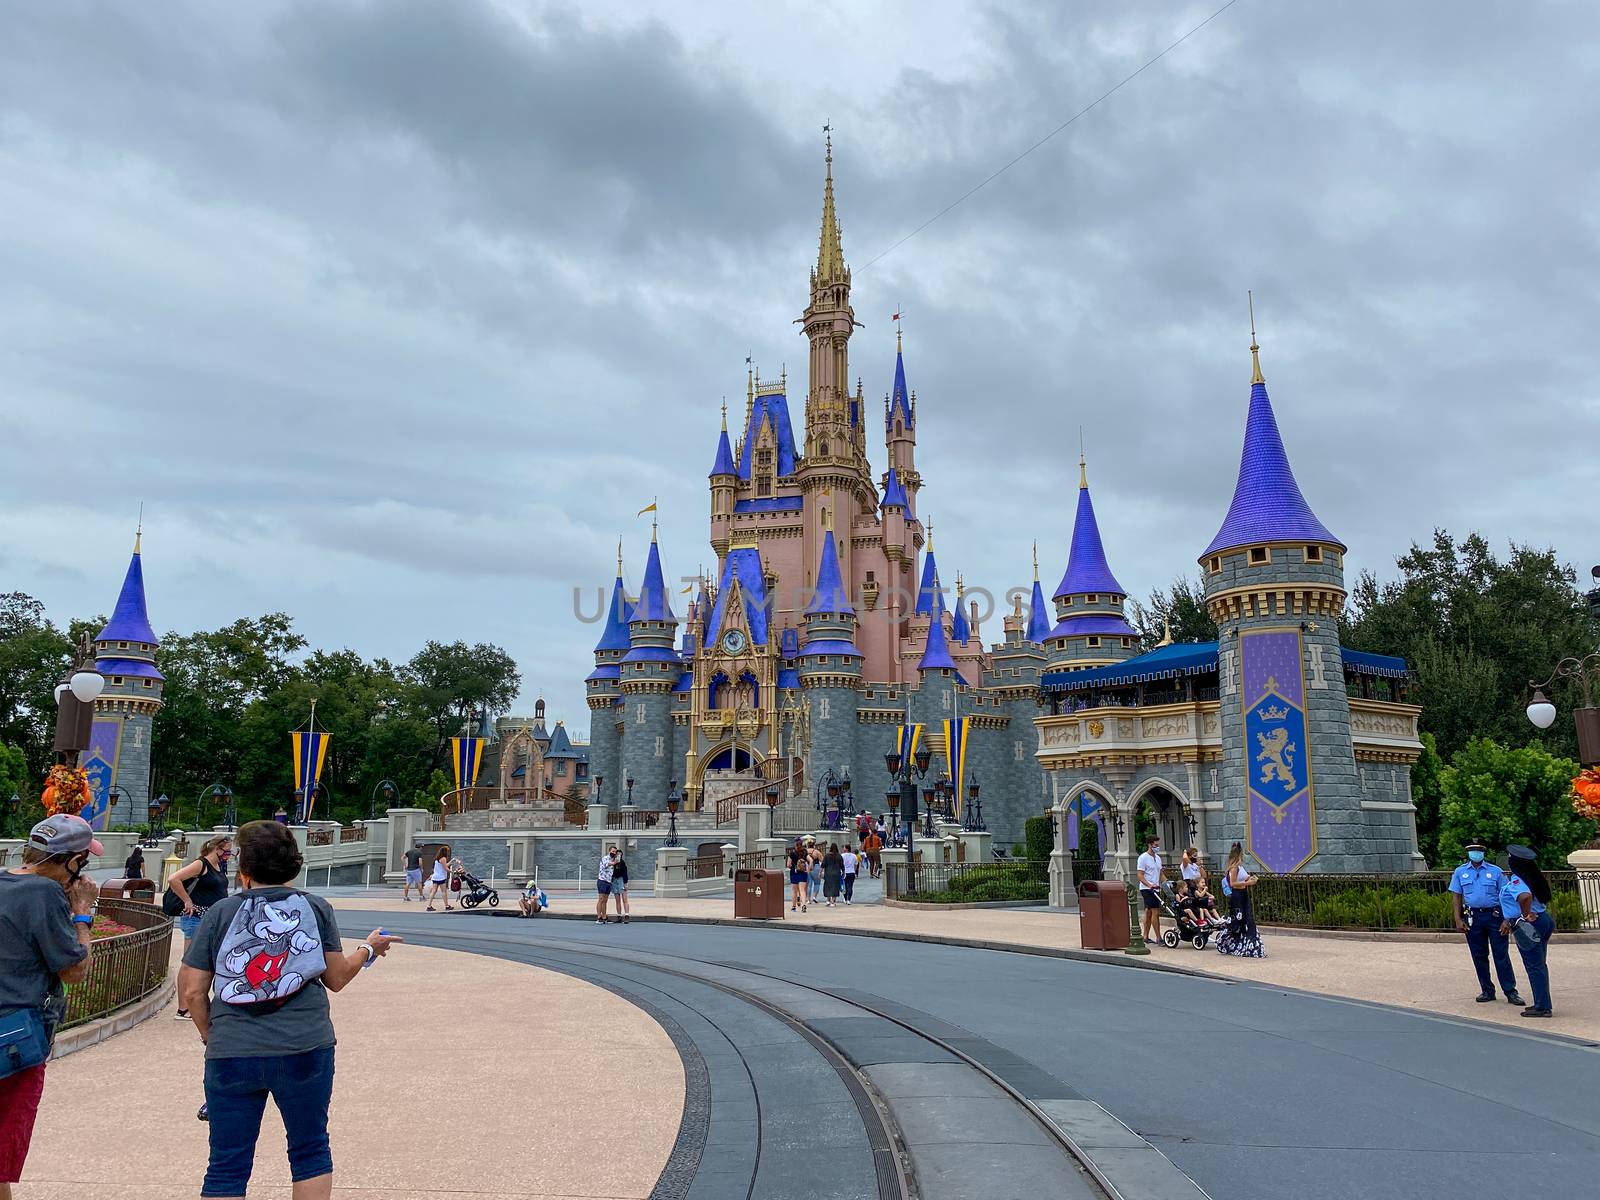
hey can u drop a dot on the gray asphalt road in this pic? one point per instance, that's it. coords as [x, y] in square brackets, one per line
[1254, 1092]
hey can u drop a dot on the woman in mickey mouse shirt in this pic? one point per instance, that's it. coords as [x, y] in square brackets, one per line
[284, 1049]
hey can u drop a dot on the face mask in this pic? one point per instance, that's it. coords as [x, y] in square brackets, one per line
[1475, 855]
[76, 870]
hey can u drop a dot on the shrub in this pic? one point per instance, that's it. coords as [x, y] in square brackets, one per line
[1040, 842]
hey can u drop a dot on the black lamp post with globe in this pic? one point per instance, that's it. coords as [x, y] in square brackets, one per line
[902, 797]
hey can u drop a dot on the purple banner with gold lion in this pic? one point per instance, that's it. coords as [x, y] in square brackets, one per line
[1280, 820]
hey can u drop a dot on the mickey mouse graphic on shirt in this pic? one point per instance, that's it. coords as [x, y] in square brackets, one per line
[266, 954]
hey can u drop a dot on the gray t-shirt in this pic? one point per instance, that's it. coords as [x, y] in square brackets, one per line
[37, 942]
[238, 1031]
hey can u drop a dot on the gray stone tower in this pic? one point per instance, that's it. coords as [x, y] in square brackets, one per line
[648, 673]
[120, 741]
[830, 670]
[1090, 629]
[1275, 586]
[1013, 682]
[604, 696]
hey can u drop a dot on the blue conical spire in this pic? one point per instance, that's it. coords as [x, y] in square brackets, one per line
[937, 653]
[1087, 570]
[928, 589]
[959, 629]
[1267, 504]
[130, 620]
[831, 594]
[894, 492]
[654, 603]
[615, 634]
[1038, 616]
[899, 398]
[724, 464]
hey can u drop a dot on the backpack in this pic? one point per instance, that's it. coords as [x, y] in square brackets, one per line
[1227, 889]
[272, 949]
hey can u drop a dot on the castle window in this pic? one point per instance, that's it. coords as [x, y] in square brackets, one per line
[822, 448]
[1126, 642]
[872, 577]
[823, 659]
[1091, 598]
[764, 486]
[763, 458]
[1215, 564]
[122, 645]
[1259, 555]
[870, 694]
[147, 683]
[1067, 602]
[1313, 554]
[1094, 642]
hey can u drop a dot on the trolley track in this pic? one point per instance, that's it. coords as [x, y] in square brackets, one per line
[660, 978]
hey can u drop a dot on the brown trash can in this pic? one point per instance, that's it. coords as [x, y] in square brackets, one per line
[129, 889]
[1103, 914]
[757, 894]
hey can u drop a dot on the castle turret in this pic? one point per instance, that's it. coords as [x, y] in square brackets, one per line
[830, 667]
[1275, 586]
[1038, 627]
[124, 714]
[900, 429]
[604, 695]
[724, 483]
[650, 670]
[1090, 629]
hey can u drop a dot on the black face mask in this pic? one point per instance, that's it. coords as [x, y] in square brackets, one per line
[74, 872]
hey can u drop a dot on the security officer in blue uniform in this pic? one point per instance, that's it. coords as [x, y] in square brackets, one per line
[1475, 891]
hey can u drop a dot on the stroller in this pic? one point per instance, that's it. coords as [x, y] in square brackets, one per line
[475, 891]
[1185, 928]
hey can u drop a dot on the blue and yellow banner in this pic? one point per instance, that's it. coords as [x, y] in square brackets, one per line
[955, 756]
[466, 755]
[906, 740]
[310, 752]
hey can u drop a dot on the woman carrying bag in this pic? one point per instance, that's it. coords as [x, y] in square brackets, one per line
[194, 888]
[1240, 939]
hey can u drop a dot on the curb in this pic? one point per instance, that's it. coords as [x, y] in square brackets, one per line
[92, 1033]
[924, 906]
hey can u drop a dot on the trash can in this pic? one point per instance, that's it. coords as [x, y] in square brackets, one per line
[1103, 914]
[757, 894]
[125, 889]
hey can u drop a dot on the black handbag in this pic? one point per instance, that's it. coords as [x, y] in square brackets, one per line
[24, 1041]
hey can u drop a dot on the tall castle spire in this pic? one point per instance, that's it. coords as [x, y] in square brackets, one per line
[830, 249]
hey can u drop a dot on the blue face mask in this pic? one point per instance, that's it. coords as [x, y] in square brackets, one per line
[1475, 855]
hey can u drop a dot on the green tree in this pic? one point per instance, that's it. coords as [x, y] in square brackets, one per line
[33, 656]
[1507, 795]
[1182, 609]
[1427, 793]
[454, 680]
[427, 796]
[1475, 629]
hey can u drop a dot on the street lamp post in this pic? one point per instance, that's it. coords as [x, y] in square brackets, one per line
[1587, 719]
[222, 792]
[672, 813]
[389, 790]
[13, 807]
[113, 794]
[158, 817]
[837, 790]
[628, 803]
[974, 814]
[75, 697]
[903, 799]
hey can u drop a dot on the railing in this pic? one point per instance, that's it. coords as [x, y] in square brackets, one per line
[789, 777]
[124, 967]
[633, 818]
[750, 860]
[1419, 901]
[707, 866]
[319, 837]
[968, 883]
[356, 833]
[574, 812]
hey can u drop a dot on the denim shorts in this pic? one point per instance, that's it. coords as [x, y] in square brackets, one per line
[301, 1085]
[187, 926]
[619, 886]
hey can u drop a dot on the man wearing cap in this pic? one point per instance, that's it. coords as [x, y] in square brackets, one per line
[1475, 892]
[46, 909]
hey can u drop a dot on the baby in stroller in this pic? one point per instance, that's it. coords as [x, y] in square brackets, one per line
[475, 891]
[1193, 922]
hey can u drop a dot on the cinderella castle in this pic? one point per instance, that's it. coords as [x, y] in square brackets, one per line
[827, 625]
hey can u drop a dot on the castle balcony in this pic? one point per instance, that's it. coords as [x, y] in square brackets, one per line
[1185, 730]
[1383, 730]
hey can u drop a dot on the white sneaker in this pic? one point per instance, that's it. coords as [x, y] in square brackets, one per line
[182, 1015]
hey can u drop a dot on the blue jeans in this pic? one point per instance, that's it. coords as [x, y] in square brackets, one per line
[1533, 961]
[1484, 937]
[301, 1085]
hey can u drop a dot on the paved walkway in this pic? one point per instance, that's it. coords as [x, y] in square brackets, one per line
[458, 1075]
[1427, 976]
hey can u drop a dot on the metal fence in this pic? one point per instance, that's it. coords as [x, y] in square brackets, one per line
[1018, 879]
[125, 967]
[707, 866]
[751, 860]
[634, 818]
[319, 837]
[1418, 901]
[356, 833]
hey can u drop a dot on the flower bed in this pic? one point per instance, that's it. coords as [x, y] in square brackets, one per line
[132, 944]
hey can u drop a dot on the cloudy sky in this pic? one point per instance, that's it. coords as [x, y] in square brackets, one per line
[393, 314]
